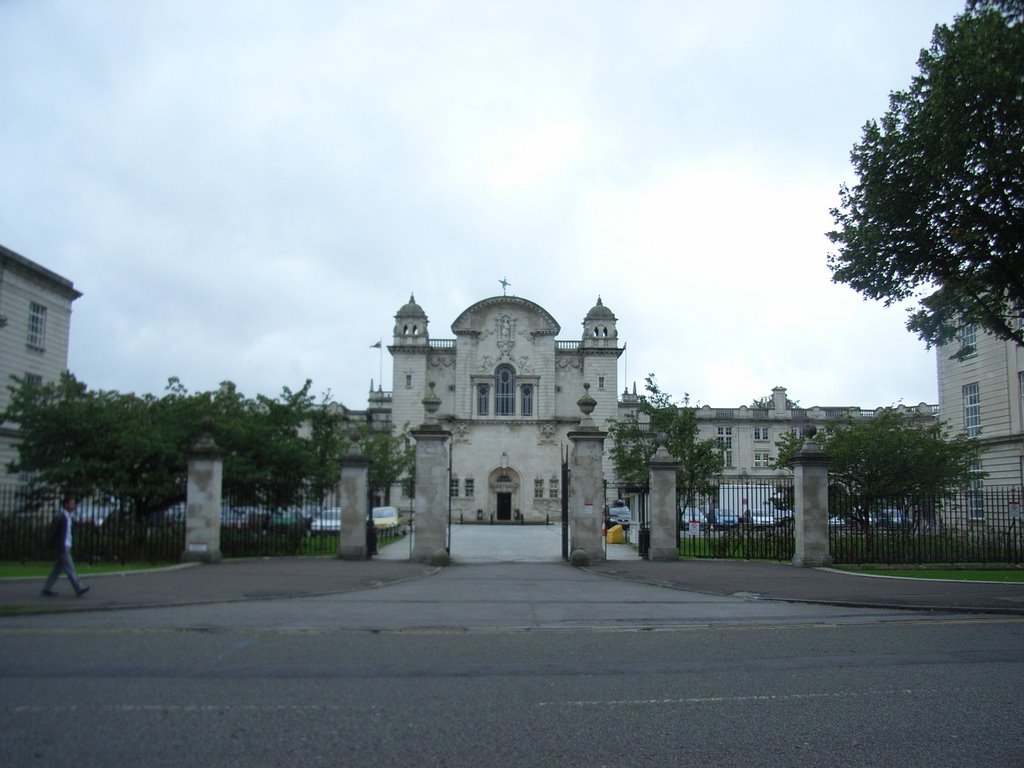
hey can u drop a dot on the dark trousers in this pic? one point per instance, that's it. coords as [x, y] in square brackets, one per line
[67, 565]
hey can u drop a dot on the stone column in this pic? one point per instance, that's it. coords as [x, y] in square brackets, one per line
[810, 487]
[353, 496]
[586, 493]
[430, 523]
[203, 499]
[664, 514]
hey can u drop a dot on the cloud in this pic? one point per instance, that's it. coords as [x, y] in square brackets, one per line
[249, 191]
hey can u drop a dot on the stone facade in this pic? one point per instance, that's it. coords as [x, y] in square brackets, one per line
[508, 389]
[982, 395]
[36, 304]
[747, 435]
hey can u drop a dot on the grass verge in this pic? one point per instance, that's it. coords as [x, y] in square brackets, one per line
[968, 572]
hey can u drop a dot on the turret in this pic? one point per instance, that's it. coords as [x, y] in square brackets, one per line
[599, 329]
[411, 325]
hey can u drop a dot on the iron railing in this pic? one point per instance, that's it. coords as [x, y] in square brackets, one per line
[104, 529]
[981, 525]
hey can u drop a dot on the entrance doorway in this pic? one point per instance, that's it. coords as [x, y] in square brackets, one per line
[504, 506]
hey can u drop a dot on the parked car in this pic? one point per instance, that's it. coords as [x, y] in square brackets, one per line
[241, 518]
[720, 519]
[326, 522]
[385, 517]
[619, 514]
[768, 518]
[889, 517]
[286, 520]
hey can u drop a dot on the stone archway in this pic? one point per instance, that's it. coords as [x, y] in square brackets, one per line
[503, 494]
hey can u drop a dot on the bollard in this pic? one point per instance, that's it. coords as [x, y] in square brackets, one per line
[371, 539]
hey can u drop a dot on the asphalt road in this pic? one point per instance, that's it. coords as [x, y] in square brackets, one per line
[511, 665]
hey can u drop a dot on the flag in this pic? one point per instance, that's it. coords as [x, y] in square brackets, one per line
[377, 345]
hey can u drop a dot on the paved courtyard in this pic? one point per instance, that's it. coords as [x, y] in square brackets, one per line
[504, 544]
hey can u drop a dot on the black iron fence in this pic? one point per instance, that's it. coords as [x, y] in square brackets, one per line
[755, 521]
[104, 529]
[749, 520]
[312, 527]
[968, 526]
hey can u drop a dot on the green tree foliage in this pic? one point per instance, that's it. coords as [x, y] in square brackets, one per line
[392, 458]
[633, 444]
[768, 402]
[891, 456]
[96, 442]
[937, 213]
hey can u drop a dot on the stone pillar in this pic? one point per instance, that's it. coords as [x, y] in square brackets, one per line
[203, 499]
[810, 487]
[430, 523]
[664, 514]
[353, 497]
[586, 493]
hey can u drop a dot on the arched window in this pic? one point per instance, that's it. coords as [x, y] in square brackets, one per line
[483, 395]
[527, 397]
[504, 391]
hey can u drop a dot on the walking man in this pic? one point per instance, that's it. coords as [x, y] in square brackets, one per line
[59, 538]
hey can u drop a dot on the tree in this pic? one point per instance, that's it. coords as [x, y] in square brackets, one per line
[392, 459]
[938, 213]
[768, 402]
[94, 442]
[891, 456]
[633, 444]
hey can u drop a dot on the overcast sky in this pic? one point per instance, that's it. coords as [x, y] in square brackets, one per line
[250, 190]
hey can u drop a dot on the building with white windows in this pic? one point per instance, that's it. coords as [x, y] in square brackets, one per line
[746, 435]
[509, 390]
[35, 305]
[982, 395]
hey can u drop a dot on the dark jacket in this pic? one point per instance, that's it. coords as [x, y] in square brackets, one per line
[57, 533]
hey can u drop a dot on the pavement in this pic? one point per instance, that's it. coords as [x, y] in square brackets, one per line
[282, 578]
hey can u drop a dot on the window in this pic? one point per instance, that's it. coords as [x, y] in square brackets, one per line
[538, 489]
[972, 410]
[762, 459]
[1020, 386]
[470, 487]
[453, 487]
[553, 488]
[36, 326]
[504, 391]
[725, 444]
[976, 493]
[760, 433]
[483, 395]
[408, 381]
[600, 382]
[34, 379]
[968, 339]
[527, 397]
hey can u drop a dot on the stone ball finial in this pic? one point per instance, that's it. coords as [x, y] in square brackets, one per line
[586, 403]
[431, 402]
[205, 445]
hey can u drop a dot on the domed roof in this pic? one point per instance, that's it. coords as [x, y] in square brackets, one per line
[600, 312]
[412, 309]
